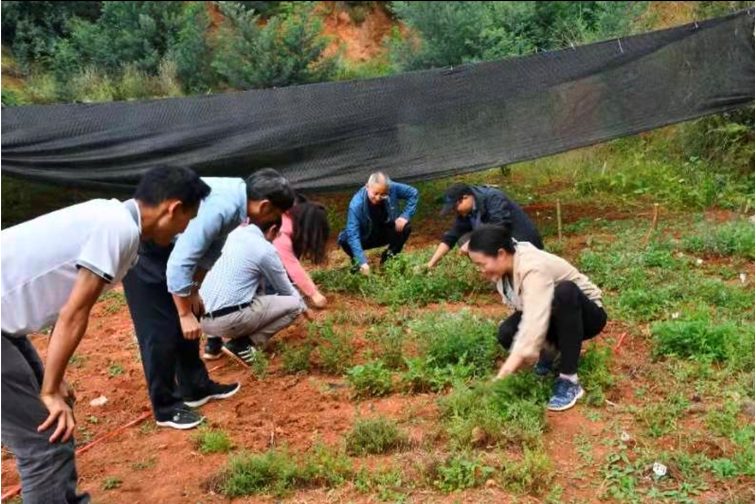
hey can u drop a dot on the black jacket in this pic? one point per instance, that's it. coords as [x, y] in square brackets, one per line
[494, 207]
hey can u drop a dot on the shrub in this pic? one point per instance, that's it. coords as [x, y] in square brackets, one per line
[532, 475]
[506, 411]
[456, 338]
[279, 473]
[461, 472]
[370, 380]
[452, 33]
[731, 239]
[287, 50]
[334, 348]
[374, 436]
[211, 441]
[296, 359]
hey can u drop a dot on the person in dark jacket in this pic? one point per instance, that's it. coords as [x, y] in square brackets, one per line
[482, 205]
[375, 220]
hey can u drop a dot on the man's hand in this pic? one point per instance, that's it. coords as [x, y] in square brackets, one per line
[190, 327]
[60, 412]
[401, 224]
[309, 314]
[464, 249]
[319, 301]
[364, 269]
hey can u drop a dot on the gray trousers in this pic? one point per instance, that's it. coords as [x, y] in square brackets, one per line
[47, 470]
[261, 321]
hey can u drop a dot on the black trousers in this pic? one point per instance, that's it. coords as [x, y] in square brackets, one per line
[171, 363]
[381, 236]
[574, 319]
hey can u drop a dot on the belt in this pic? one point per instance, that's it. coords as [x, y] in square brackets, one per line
[225, 311]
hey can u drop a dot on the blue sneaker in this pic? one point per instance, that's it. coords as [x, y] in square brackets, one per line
[543, 367]
[565, 395]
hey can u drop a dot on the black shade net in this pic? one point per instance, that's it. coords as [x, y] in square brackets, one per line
[415, 126]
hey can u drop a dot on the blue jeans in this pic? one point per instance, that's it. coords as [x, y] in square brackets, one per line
[47, 470]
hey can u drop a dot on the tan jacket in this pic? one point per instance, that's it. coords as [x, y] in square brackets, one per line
[536, 273]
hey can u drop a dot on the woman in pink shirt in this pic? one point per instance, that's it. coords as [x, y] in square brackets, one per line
[304, 235]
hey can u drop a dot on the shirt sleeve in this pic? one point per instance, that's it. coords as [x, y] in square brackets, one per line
[452, 235]
[537, 299]
[353, 235]
[109, 248]
[295, 270]
[200, 245]
[276, 277]
[411, 195]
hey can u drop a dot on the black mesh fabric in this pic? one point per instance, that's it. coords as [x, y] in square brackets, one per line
[417, 125]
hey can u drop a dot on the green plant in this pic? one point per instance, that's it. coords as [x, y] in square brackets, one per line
[334, 348]
[595, 373]
[76, 361]
[460, 473]
[114, 370]
[279, 473]
[370, 380]
[274, 472]
[731, 239]
[259, 364]
[288, 49]
[505, 411]
[452, 33]
[389, 340]
[532, 475]
[114, 301]
[374, 436]
[422, 375]
[111, 483]
[456, 338]
[143, 464]
[208, 441]
[296, 359]
[701, 339]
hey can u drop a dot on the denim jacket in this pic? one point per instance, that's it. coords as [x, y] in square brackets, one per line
[359, 224]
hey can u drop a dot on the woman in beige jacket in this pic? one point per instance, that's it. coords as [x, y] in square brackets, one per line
[556, 308]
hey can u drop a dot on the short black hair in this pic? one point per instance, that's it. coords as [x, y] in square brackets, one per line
[164, 182]
[489, 239]
[268, 184]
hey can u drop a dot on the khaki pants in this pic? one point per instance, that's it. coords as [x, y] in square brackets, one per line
[261, 321]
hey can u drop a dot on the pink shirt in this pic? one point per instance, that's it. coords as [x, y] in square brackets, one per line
[285, 246]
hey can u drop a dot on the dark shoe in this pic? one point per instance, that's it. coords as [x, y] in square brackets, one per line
[543, 367]
[213, 348]
[386, 256]
[216, 391]
[241, 350]
[182, 419]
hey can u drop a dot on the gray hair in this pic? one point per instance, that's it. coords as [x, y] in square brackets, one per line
[378, 178]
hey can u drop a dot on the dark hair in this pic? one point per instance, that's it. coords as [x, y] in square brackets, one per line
[267, 226]
[268, 184]
[489, 239]
[163, 183]
[311, 231]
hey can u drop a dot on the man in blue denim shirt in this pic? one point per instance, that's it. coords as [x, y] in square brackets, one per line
[162, 292]
[374, 220]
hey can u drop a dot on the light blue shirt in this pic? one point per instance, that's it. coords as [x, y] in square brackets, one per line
[202, 242]
[247, 259]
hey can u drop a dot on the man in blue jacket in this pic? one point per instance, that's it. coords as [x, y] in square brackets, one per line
[374, 220]
[482, 205]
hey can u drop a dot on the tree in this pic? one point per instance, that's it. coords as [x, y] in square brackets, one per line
[289, 49]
